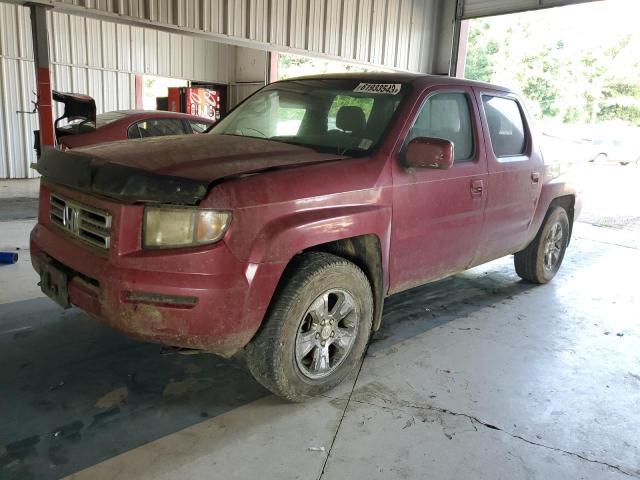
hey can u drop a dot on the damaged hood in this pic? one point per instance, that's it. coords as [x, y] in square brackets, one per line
[176, 169]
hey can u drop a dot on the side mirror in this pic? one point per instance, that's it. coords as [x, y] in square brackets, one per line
[426, 152]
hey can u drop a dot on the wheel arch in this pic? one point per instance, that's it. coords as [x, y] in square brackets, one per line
[365, 251]
[568, 203]
[557, 192]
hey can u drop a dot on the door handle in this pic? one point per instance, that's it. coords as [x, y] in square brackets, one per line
[535, 177]
[477, 188]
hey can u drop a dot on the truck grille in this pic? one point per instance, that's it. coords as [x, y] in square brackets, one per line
[89, 224]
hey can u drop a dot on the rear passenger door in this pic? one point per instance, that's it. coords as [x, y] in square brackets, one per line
[515, 175]
[437, 214]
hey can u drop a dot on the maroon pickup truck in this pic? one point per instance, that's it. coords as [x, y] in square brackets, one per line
[281, 232]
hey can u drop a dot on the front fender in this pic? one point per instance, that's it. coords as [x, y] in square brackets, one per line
[282, 238]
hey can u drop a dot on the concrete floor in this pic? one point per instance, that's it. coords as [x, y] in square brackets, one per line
[476, 376]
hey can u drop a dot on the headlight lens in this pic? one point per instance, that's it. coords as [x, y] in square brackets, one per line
[179, 227]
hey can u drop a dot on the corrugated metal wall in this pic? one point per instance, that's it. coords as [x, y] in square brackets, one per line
[95, 57]
[17, 81]
[485, 8]
[392, 33]
[98, 45]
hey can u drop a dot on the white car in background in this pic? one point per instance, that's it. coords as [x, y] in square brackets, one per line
[623, 149]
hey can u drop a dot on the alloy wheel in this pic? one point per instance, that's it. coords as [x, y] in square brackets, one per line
[553, 246]
[326, 333]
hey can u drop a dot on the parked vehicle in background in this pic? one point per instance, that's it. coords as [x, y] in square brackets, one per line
[282, 231]
[623, 148]
[562, 152]
[80, 126]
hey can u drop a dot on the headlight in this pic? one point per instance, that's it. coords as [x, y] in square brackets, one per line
[182, 227]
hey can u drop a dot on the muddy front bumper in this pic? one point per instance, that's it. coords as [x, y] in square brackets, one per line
[202, 298]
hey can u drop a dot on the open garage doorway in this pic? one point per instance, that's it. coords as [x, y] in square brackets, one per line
[577, 68]
[155, 89]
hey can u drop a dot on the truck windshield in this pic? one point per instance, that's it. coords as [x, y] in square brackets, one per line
[348, 117]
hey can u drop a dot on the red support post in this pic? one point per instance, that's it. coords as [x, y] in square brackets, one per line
[272, 67]
[43, 75]
[139, 92]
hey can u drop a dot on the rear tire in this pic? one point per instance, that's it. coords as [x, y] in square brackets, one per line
[541, 260]
[317, 328]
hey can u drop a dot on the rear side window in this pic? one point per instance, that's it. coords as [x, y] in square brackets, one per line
[506, 126]
[198, 127]
[446, 116]
[156, 127]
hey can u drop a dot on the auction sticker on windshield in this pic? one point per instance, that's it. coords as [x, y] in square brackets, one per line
[385, 88]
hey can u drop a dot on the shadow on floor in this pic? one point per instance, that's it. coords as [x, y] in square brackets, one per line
[18, 208]
[75, 392]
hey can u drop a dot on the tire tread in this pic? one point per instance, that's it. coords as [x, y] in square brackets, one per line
[261, 353]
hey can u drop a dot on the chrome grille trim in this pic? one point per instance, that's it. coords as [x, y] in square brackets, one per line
[89, 224]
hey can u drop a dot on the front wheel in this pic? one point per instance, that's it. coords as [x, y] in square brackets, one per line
[541, 260]
[317, 329]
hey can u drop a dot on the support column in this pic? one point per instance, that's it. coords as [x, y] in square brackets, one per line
[272, 67]
[457, 32]
[40, 37]
[462, 49]
[139, 92]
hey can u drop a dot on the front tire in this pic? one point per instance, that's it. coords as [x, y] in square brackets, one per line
[541, 260]
[317, 328]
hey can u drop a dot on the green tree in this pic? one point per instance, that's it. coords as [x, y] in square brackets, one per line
[562, 70]
[479, 63]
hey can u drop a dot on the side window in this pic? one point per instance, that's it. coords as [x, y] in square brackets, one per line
[506, 126]
[159, 127]
[446, 116]
[133, 131]
[198, 127]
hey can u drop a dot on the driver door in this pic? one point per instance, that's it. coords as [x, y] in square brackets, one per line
[438, 214]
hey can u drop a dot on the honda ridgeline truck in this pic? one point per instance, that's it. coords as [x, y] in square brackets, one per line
[282, 231]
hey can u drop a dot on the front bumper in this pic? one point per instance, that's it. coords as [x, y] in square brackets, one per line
[202, 298]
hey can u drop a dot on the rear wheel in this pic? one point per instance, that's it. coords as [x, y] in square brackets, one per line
[317, 329]
[541, 260]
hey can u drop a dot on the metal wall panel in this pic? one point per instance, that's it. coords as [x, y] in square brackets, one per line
[17, 81]
[98, 58]
[333, 27]
[298, 30]
[146, 36]
[390, 33]
[240, 91]
[484, 8]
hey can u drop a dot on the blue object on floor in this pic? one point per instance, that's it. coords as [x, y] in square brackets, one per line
[8, 257]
